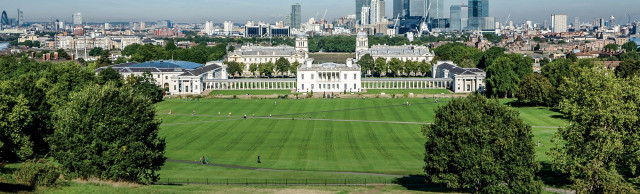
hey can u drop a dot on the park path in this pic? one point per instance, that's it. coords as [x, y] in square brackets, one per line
[280, 170]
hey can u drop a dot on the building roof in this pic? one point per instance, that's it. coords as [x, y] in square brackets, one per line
[251, 50]
[454, 69]
[405, 50]
[168, 64]
[201, 70]
[328, 66]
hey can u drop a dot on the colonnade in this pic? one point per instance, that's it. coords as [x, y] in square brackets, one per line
[406, 84]
[250, 85]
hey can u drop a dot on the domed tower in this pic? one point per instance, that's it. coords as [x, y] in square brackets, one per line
[302, 43]
[362, 43]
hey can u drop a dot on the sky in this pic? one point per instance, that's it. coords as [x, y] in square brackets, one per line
[240, 11]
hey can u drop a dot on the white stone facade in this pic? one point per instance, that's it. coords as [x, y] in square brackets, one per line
[465, 80]
[253, 54]
[329, 77]
[404, 53]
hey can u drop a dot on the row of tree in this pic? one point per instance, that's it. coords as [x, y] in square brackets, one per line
[268, 69]
[100, 126]
[394, 67]
[197, 54]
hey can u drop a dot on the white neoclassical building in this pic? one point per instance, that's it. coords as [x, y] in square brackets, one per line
[404, 53]
[464, 80]
[177, 77]
[329, 77]
[254, 54]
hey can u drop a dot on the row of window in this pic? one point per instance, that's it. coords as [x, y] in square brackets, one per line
[329, 86]
[355, 76]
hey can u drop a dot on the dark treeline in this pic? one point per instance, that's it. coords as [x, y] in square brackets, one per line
[92, 125]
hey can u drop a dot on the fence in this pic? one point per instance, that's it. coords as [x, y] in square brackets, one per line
[292, 182]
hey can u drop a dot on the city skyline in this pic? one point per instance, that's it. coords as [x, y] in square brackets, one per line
[199, 11]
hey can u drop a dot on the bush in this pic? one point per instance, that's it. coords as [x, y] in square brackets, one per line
[37, 173]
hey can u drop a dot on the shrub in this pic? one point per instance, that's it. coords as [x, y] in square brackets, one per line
[37, 173]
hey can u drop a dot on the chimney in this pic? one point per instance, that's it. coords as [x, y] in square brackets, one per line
[55, 56]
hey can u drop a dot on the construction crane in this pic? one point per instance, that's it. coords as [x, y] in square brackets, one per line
[508, 17]
[325, 15]
[630, 15]
[395, 25]
[424, 21]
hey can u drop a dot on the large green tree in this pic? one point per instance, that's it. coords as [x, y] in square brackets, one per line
[424, 68]
[234, 68]
[558, 70]
[502, 80]
[146, 85]
[628, 68]
[14, 119]
[600, 149]
[267, 69]
[282, 65]
[381, 67]
[630, 46]
[480, 145]
[293, 68]
[253, 68]
[536, 89]
[396, 66]
[109, 133]
[96, 51]
[367, 64]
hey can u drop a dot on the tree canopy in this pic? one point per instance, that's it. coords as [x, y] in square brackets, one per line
[536, 89]
[479, 145]
[110, 133]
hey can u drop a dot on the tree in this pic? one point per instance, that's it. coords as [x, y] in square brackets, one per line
[171, 45]
[104, 60]
[424, 68]
[630, 56]
[234, 68]
[630, 46]
[535, 89]
[109, 133]
[489, 56]
[96, 51]
[544, 61]
[82, 61]
[558, 70]
[63, 54]
[396, 66]
[109, 75]
[381, 67]
[479, 145]
[367, 64]
[537, 47]
[411, 67]
[282, 65]
[294, 68]
[14, 119]
[253, 68]
[628, 69]
[266, 69]
[599, 149]
[502, 80]
[146, 85]
[611, 47]
[572, 57]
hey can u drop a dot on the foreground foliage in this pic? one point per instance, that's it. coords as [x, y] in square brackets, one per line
[479, 145]
[109, 133]
[38, 173]
[600, 149]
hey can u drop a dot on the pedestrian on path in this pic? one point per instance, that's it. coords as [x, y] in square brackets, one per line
[193, 112]
[259, 162]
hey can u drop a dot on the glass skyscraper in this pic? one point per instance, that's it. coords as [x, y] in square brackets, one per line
[436, 8]
[400, 8]
[359, 5]
[478, 14]
[296, 18]
[459, 17]
[417, 8]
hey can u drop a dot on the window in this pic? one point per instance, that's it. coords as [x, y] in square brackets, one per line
[311, 85]
[174, 87]
[166, 77]
[345, 86]
[354, 87]
[302, 76]
[355, 76]
[345, 76]
[158, 76]
[312, 78]
[303, 86]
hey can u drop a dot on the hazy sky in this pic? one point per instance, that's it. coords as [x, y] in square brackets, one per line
[240, 11]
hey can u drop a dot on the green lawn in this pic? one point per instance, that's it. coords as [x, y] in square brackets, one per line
[352, 139]
[408, 91]
[251, 92]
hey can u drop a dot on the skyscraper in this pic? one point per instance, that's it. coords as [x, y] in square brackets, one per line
[364, 20]
[208, 27]
[418, 8]
[77, 18]
[576, 22]
[359, 5]
[377, 11]
[296, 18]
[436, 8]
[478, 14]
[459, 17]
[20, 17]
[558, 23]
[400, 8]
